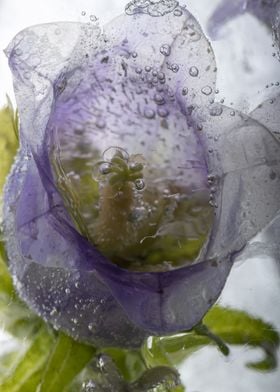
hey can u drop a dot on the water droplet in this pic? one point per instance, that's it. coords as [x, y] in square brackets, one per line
[27, 75]
[105, 168]
[185, 91]
[110, 152]
[138, 70]
[67, 291]
[207, 90]
[232, 113]
[193, 71]
[139, 184]
[100, 123]
[165, 49]
[149, 113]
[53, 312]
[163, 112]
[83, 13]
[148, 68]
[18, 51]
[134, 55]
[90, 326]
[89, 386]
[139, 90]
[211, 178]
[159, 99]
[178, 12]
[137, 214]
[175, 68]
[216, 110]
[161, 76]
[93, 18]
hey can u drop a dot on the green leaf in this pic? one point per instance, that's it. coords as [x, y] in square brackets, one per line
[67, 359]
[8, 140]
[15, 317]
[6, 284]
[202, 330]
[29, 365]
[222, 325]
[129, 363]
[237, 327]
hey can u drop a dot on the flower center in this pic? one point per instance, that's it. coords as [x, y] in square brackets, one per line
[135, 215]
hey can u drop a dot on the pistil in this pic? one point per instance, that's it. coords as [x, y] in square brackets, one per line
[120, 184]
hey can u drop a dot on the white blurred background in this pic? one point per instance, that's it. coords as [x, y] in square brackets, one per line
[246, 70]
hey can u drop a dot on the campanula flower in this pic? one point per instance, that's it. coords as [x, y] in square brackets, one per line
[133, 190]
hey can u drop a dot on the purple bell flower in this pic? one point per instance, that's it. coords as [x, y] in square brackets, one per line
[144, 88]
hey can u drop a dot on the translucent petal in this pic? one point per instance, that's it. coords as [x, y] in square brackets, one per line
[38, 58]
[173, 44]
[268, 114]
[244, 165]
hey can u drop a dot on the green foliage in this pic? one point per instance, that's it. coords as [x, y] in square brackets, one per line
[221, 326]
[21, 377]
[130, 363]
[8, 140]
[238, 328]
[68, 358]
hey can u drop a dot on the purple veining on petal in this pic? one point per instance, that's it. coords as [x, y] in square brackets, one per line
[68, 89]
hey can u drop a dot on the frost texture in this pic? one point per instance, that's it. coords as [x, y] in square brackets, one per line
[70, 78]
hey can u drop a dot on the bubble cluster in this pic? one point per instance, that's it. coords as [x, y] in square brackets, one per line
[158, 8]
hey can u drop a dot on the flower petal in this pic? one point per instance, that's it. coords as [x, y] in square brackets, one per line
[173, 43]
[39, 56]
[244, 165]
[268, 114]
[53, 266]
